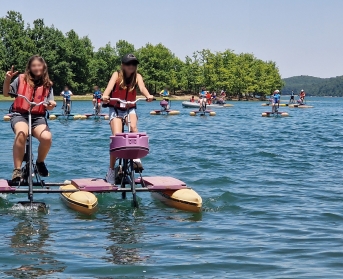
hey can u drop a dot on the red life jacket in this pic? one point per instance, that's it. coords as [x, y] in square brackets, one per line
[36, 95]
[123, 94]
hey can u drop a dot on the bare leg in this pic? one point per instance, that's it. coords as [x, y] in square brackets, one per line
[116, 127]
[43, 134]
[21, 130]
[133, 124]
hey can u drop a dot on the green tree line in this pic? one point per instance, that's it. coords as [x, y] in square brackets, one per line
[73, 61]
[315, 86]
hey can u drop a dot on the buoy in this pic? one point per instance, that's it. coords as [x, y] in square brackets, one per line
[264, 114]
[52, 117]
[83, 117]
[174, 112]
[212, 113]
[77, 116]
[7, 118]
[153, 112]
[284, 114]
[106, 117]
[192, 113]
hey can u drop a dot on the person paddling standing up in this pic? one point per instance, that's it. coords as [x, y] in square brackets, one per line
[291, 100]
[37, 87]
[123, 85]
[302, 96]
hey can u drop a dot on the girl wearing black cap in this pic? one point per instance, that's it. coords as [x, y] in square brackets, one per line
[123, 85]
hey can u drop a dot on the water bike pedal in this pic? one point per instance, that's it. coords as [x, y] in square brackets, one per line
[138, 167]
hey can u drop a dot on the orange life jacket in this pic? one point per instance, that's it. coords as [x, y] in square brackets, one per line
[34, 94]
[123, 94]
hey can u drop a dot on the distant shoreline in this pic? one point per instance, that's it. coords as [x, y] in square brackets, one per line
[89, 97]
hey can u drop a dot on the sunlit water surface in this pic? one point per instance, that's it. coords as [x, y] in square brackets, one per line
[271, 189]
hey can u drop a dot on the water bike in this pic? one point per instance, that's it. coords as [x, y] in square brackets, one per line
[165, 108]
[66, 107]
[269, 104]
[78, 194]
[300, 104]
[66, 112]
[187, 104]
[96, 115]
[275, 112]
[202, 110]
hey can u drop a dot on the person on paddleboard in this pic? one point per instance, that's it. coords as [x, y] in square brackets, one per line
[66, 93]
[291, 100]
[36, 85]
[302, 96]
[123, 85]
[96, 97]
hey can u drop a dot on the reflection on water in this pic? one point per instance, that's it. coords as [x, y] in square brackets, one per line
[28, 243]
[125, 232]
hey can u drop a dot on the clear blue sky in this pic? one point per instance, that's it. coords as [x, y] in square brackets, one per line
[304, 37]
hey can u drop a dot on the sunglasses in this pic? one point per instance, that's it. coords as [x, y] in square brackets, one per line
[131, 64]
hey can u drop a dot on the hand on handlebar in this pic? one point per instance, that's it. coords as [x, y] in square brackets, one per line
[50, 106]
[105, 99]
[149, 98]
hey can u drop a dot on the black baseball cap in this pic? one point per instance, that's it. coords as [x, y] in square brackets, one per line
[127, 58]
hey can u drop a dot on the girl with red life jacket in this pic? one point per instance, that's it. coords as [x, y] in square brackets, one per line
[36, 86]
[123, 85]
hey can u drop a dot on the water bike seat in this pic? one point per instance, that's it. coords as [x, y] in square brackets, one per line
[164, 103]
[129, 145]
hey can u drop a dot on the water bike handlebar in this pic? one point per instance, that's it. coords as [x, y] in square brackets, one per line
[128, 102]
[32, 104]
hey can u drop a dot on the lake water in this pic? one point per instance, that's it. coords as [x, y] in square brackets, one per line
[271, 189]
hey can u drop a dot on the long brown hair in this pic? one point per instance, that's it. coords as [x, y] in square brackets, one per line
[125, 81]
[43, 80]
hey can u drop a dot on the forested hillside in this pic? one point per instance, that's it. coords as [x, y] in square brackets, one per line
[73, 61]
[314, 86]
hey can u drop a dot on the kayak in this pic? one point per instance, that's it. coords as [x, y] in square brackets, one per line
[187, 104]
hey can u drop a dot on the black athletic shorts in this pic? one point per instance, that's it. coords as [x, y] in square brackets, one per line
[292, 97]
[36, 120]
